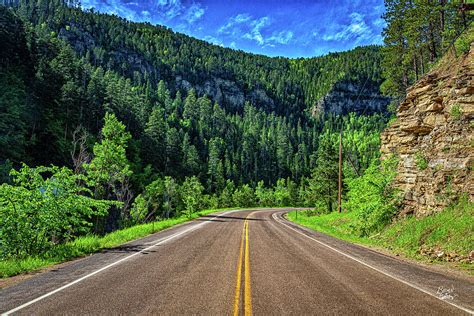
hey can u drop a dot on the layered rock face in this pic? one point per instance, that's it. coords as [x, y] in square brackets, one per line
[433, 138]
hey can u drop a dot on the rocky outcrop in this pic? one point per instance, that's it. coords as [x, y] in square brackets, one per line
[433, 138]
[224, 88]
[347, 96]
[228, 93]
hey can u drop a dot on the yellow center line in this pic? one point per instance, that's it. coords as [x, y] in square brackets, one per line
[248, 294]
[244, 259]
[239, 275]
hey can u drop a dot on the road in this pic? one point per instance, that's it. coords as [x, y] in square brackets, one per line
[240, 262]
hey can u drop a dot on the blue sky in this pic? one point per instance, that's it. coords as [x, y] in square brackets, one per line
[274, 28]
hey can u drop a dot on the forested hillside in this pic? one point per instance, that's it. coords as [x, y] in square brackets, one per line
[147, 54]
[63, 69]
[417, 35]
[143, 123]
[70, 67]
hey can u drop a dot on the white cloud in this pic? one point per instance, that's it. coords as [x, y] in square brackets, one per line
[255, 29]
[379, 22]
[357, 30]
[240, 18]
[194, 13]
[160, 11]
[170, 8]
[111, 7]
[255, 32]
[213, 40]
[232, 26]
[282, 37]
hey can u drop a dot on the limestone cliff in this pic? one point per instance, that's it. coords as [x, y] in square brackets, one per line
[433, 137]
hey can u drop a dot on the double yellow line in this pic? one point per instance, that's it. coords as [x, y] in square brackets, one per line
[243, 260]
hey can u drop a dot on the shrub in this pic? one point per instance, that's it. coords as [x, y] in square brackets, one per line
[45, 206]
[456, 112]
[282, 194]
[244, 196]
[265, 196]
[373, 198]
[463, 43]
[191, 194]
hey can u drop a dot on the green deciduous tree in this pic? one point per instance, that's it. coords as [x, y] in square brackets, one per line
[44, 206]
[109, 170]
[191, 194]
[244, 196]
[373, 198]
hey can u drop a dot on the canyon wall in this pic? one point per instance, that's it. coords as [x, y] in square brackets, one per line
[433, 137]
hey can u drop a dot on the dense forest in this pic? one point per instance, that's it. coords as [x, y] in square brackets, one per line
[113, 118]
[418, 33]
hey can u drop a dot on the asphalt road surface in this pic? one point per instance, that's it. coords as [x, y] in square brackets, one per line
[240, 262]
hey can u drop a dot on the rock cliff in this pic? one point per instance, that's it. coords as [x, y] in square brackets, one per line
[433, 137]
[348, 96]
[230, 86]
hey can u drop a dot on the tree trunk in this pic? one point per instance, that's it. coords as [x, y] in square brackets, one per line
[442, 17]
[433, 54]
[415, 67]
[422, 63]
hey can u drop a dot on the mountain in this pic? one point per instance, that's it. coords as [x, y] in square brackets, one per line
[148, 53]
[192, 108]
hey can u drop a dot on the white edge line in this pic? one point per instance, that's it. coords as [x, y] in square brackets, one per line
[274, 215]
[159, 242]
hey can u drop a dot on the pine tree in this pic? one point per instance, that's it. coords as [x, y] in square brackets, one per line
[155, 139]
[215, 171]
[323, 183]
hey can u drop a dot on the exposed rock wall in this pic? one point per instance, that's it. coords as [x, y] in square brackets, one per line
[433, 137]
[347, 96]
[227, 92]
[225, 89]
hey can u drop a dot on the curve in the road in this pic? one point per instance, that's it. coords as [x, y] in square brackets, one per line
[243, 262]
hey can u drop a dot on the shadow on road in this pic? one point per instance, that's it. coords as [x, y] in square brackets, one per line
[213, 219]
[209, 220]
[126, 249]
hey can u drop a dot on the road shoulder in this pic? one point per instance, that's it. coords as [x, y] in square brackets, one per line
[452, 287]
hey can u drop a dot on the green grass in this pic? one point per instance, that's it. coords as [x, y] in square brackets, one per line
[335, 224]
[463, 43]
[450, 231]
[89, 244]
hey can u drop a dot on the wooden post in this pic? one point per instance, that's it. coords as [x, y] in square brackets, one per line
[339, 196]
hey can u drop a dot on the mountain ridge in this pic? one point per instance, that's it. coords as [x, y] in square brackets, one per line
[148, 53]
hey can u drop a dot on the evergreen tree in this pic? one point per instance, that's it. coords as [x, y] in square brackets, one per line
[155, 139]
[215, 166]
[323, 183]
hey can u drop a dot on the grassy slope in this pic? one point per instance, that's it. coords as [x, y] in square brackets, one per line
[89, 244]
[450, 231]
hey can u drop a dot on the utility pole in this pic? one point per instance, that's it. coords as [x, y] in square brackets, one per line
[339, 196]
